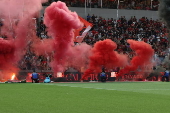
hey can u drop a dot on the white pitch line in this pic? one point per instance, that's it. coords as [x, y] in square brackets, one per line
[73, 86]
[154, 89]
[134, 90]
[83, 87]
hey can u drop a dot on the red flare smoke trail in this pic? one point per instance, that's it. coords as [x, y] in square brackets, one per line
[7, 50]
[103, 54]
[144, 54]
[17, 16]
[61, 22]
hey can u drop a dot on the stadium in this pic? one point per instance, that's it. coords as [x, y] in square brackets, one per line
[84, 56]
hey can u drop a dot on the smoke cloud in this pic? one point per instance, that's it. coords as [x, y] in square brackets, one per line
[79, 56]
[103, 54]
[61, 22]
[42, 47]
[16, 16]
[164, 10]
[142, 59]
[7, 50]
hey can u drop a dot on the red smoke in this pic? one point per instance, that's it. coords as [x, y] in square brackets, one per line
[7, 50]
[17, 17]
[61, 22]
[7, 61]
[103, 54]
[143, 58]
[42, 47]
[79, 56]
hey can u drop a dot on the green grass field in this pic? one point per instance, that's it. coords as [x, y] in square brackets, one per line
[109, 97]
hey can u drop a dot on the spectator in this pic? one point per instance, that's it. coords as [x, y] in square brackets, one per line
[143, 29]
[123, 4]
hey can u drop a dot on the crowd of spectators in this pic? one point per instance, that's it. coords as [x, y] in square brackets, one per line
[153, 32]
[30, 61]
[113, 4]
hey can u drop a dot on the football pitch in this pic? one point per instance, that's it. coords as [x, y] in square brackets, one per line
[109, 97]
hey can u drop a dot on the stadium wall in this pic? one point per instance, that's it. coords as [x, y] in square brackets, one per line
[113, 13]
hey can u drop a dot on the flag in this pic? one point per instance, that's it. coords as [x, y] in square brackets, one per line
[87, 26]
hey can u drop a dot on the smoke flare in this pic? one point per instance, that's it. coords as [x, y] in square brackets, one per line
[141, 60]
[16, 16]
[61, 22]
[103, 54]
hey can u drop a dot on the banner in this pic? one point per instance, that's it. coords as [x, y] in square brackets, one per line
[87, 26]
